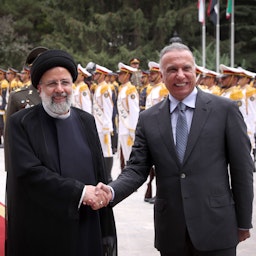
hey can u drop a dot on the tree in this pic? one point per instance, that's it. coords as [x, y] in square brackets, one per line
[13, 47]
[109, 31]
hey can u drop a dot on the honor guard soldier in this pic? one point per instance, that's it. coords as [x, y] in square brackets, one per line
[247, 104]
[228, 81]
[25, 76]
[230, 78]
[128, 111]
[136, 75]
[4, 85]
[11, 75]
[210, 81]
[103, 113]
[145, 88]
[158, 91]
[22, 98]
[115, 87]
[81, 93]
[91, 67]
[199, 76]
[28, 96]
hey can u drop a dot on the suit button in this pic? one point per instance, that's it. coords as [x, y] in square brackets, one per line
[183, 175]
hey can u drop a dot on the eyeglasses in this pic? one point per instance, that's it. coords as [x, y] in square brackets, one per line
[55, 83]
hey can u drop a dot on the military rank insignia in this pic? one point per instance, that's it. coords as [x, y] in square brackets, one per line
[239, 103]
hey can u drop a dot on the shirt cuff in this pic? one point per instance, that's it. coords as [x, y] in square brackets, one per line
[113, 193]
[82, 196]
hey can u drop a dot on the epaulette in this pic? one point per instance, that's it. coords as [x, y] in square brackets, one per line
[202, 87]
[83, 87]
[93, 87]
[104, 88]
[116, 84]
[236, 94]
[4, 84]
[149, 89]
[216, 90]
[112, 87]
[131, 89]
[163, 91]
[250, 91]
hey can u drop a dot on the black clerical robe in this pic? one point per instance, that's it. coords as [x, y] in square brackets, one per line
[51, 160]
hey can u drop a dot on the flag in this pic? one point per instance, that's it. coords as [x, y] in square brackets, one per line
[212, 11]
[200, 6]
[229, 9]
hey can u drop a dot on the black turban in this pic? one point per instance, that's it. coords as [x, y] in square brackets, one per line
[50, 59]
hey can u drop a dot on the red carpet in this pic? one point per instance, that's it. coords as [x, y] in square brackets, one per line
[2, 229]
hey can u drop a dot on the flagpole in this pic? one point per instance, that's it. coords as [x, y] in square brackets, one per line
[203, 37]
[218, 37]
[232, 39]
[203, 44]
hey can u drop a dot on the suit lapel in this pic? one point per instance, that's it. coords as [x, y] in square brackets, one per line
[163, 118]
[200, 116]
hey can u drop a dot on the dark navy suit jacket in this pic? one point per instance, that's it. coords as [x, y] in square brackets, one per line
[198, 196]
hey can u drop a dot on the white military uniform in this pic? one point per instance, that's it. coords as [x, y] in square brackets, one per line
[81, 93]
[245, 100]
[156, 94]
[82, 97]
[247, 106]
[103, 111]
[128, 114]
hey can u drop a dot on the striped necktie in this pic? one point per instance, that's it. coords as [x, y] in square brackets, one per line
[181, 131]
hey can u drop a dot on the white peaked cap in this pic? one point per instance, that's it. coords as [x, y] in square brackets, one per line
[83, 70]
[125, 68]
[103, 70]
[153, 66]
[247, 72]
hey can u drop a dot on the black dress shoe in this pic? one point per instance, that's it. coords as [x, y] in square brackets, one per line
[147, 199]
[152, 200]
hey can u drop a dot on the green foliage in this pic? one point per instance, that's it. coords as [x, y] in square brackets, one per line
[110, 31]
[13, 47]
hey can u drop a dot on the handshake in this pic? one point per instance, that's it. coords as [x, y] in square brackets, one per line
[97, 197]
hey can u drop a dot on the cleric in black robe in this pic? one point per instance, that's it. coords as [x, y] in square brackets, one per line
[54, 153]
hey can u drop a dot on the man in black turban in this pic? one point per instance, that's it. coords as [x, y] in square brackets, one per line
[56, 160]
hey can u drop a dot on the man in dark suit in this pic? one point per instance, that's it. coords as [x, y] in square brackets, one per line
[55, 161]
[203, 202]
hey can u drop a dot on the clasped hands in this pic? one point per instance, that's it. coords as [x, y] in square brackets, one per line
[97, 196]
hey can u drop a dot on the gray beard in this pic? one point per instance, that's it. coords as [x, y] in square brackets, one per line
[56, 108]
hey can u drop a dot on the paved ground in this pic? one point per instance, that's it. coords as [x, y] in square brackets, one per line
[134, 221]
